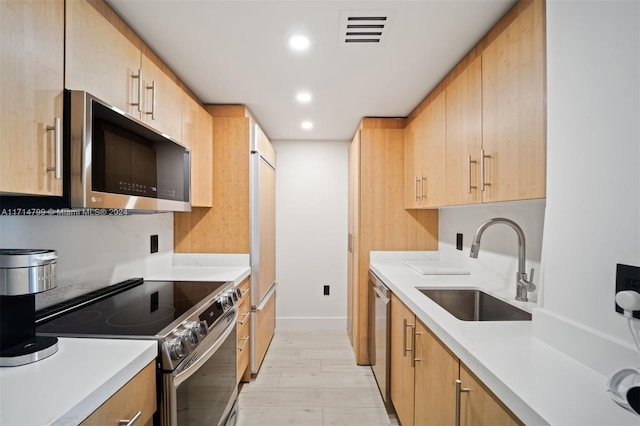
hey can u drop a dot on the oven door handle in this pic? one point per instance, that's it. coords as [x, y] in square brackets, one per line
[179, 378]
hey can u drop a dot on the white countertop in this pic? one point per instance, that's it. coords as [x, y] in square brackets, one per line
[204, 267]
[66, 387]
[540, 384]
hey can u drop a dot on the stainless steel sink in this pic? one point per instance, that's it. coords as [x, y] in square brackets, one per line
[475, 305]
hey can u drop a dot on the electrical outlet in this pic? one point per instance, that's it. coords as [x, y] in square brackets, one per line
[154, 244]
[326, 290]
[627, 278]
[459, 241]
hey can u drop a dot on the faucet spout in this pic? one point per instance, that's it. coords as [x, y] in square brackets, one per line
[523, 284]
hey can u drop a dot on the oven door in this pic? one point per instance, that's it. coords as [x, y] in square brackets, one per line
[204, 392]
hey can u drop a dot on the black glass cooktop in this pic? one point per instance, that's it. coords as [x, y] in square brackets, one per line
[143, 308]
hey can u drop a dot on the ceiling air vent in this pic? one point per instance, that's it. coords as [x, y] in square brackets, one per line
[359, 27]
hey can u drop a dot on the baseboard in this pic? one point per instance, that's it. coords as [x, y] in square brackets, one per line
[311, 323]
[603, 353]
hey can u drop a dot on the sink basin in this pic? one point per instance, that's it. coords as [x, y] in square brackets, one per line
[475, 305]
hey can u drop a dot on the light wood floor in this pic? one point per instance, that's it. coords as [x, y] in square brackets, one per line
[310, 378]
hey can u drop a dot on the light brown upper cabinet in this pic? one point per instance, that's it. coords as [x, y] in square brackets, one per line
[494, 121]
[197, 134]
[101, 60]
[31, 86]
[162, 99]
[464, 136]
[513, 110]
[424, 156]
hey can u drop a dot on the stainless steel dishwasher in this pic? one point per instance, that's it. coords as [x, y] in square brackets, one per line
[379, 334]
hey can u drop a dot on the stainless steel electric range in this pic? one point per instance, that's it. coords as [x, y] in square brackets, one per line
[194, 324]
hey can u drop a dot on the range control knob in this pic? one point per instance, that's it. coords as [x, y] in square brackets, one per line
[230, 299]
[190, 336]
[178, 349]
[238, 293]
[198, 327]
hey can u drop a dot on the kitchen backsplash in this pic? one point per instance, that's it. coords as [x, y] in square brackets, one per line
[497, 261]
[93, 251]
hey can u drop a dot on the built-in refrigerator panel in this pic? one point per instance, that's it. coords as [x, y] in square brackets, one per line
[263, 246]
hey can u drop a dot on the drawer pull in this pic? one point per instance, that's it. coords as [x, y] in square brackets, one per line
[241, 347]
[134, 419]
[244, 319]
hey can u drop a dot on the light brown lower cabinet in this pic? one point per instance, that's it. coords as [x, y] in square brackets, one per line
[424, 373]
[136, 398]
[478, 406]
[244, 336]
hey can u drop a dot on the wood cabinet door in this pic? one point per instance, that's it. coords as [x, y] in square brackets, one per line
[197, 134]
[353, 207]
[425, 139]
[403, 324]
[479, 407]
[436, 371]
[414, 155]
[433, 182]
[137, 395]
[267, 226]
[265, 324]
[31, 85]
[162, 100]
[464, 136]
[100, 59]
[513, 112]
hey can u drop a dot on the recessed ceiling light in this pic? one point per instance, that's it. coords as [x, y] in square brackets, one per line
[299, 42]
[303, 97]
[307, 125]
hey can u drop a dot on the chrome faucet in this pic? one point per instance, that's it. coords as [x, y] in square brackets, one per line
[523, 285]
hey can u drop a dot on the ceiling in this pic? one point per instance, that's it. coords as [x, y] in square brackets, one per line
[237, 52]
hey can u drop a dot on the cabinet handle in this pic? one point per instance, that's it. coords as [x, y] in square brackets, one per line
[244, 319]
[459, 390]
[422, 180]
[404, 339]
[57, 132]
[153, 100]
[417, 181]
[241, 347]
[482, 178]
[129, 422]
[469, 162]
[414, 359]
[139, 77]
[349, 243]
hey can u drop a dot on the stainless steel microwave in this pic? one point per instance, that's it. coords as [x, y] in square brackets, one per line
[117, 161]
[111, 160]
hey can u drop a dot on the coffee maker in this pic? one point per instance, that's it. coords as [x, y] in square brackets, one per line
[23, 273]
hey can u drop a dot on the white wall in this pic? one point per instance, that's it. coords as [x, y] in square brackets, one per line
[592, 217]
[497, 263]
[93, 252]
[311, 230]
